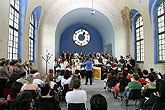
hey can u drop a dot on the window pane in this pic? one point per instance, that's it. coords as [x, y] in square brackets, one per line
[13, 29]
[161, 31]
[139, 39]
[31, 37]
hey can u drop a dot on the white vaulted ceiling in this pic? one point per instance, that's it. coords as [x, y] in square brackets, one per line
[64, 13]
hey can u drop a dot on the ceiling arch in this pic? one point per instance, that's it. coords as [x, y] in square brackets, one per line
[51, 25]
[83, 16]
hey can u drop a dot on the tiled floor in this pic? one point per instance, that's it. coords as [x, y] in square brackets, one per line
[97, 88]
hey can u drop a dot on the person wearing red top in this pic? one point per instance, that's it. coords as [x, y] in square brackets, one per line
[111, 58]
[141, 79]
[116, 90]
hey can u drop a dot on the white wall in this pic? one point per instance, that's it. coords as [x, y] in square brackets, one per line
[4, 30]
[148, 33]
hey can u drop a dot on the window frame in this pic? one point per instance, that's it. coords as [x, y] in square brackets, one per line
[140, 40]
[161, 33]
[32, 32]
[14, 14]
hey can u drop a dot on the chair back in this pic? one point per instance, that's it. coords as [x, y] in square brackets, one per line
[159, 106]
[6, 93]
[33, 92]
[46, 106]
[11, 104]
[76, 106]
[148, 92]
[134, 94]
[66, 88]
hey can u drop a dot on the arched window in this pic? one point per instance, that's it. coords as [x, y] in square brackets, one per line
[139, 38]
[31, 37]
[13, 29]
[161, 31]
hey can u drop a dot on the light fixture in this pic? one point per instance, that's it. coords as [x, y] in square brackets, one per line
[93, 11]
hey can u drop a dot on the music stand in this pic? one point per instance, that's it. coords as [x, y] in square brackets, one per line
[48, 56]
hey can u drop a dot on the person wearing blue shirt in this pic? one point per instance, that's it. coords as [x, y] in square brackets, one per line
[88, 65]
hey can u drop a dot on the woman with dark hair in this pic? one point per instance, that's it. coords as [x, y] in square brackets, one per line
[111, 81]
[98, 102]
[141, 79]
[151, 84]
[12, 79]
[15, 90]
[4, 76]
[67, 78]
[156, 97]
[24, 101]
[53, 85]
[124, 81]
[46, 97]
[74, 77]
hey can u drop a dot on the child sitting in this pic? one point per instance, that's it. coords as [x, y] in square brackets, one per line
[116, 90]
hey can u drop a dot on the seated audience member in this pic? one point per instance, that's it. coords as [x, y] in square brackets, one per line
[51, 71]
[141, 79]
[132, 86]
[105, 80]
[151, 84]
[98, 102]
[22, 79]
[116, 90]
[77, 95]
[67, 78]
[24, 101]
[15, 90]
[130, 74]
[71, 82]
[124, 82]
[46, 97]
[111, 82]
[151, 70]
[37, 79]
[61, 75]
[77, 73]
[156, 97]
[12, 79]
[145, 74]
[155, 75]
[53, 85]
[29, 85]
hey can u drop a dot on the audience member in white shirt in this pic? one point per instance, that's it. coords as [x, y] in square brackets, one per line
[77, 95]
[67, 78]
[37, 79]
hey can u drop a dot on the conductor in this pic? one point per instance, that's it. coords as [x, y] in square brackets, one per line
[88, 67]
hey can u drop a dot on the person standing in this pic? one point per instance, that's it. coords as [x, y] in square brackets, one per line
[88, 65]
[4, 76]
